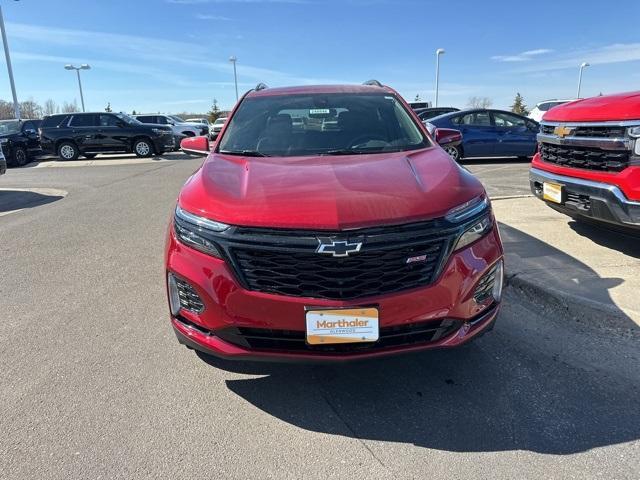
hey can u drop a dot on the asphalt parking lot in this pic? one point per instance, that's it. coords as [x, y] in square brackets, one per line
[94, 384]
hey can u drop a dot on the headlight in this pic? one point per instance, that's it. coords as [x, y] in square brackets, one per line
[160, 131]
[475, 232]
[192, 229]
[468, 209]
[634, 132]
[4, 140]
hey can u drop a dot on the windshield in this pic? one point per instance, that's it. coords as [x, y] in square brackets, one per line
[543, 107]
[317, 124]
[220, 120]
[128, 119]
[8, 127]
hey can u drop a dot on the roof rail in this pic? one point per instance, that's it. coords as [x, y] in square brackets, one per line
[260, 86]
[374, 83]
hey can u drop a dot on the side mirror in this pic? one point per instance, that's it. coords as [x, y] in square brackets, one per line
[195, 145]
[30, 131]
[446, 136]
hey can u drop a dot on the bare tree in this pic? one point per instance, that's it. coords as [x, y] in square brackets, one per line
[479, 102]
[6, 110]
[70, 107]
[30, 109]
[50, 107]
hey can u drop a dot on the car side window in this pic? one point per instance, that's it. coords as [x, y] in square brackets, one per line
[28, 126]
[476, 119]
[107, 120]
[83, 121]
[161, 120]
[508, 121]
[145, 119]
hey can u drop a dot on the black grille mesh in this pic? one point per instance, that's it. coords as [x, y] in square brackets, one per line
[583, 157]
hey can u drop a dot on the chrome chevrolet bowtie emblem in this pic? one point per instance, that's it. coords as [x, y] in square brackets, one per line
[337, 248]
[562, 131]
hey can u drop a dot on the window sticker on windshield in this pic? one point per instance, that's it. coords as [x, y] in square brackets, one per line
[319, 111]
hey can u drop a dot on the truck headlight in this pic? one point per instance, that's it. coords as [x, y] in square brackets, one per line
[634, 132]
[192, 230]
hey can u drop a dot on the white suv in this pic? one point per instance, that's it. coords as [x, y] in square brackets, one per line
[541, 108]
[181, 129]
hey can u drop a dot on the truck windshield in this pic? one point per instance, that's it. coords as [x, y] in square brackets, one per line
[9, 126]
[321, 124]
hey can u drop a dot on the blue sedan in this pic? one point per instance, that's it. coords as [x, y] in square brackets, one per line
[491, 133]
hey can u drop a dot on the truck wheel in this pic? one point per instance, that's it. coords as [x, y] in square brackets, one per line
[143, 148]
[68, 151]
[20, 156]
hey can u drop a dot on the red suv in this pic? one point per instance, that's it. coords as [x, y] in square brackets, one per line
[327, 224]
[588, 160]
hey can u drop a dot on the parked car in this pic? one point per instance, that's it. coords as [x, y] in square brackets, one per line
[74, 134]
[428, 113]
[588, 165]
[543, 107]
[360, 241]
[19, 141]
[3, 163]
[418, 105]
[216, 128]
[181, 129]
[203, 121]
[491, 133]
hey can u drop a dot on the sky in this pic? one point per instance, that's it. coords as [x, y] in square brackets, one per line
[172, 56]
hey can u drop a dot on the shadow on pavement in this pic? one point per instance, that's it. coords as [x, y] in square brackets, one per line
[19, 199]
[494, 160]
[624, 242]
[517, 388]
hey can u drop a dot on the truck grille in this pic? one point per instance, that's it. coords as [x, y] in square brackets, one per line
[596, 131]
[585, 157]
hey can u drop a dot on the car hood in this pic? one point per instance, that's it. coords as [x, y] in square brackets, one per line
[328, 192]
[623, 106]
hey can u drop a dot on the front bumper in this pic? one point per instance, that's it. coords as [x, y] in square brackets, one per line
[229, 306]
[590, 199]
[164, 143]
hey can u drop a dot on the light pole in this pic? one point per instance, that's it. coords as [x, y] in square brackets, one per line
[439, 52]
[16, 106]
[582, 67]
[233, 59]
[84, 66]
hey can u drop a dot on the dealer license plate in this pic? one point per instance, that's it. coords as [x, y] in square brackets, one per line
[345, 325]
[552, 192]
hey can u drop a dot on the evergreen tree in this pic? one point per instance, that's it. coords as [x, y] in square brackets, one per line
[518, 106]
[214, 113]
[108, 108]
[417, 99]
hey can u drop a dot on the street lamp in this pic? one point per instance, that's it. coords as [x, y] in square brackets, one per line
[439, 52]
[84, 66]
[582, 67]
[16, 106]
[233, 60]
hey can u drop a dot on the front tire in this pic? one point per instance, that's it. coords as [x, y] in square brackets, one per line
[68, 151]
[20, 156]
[143, 148]
[454, 152]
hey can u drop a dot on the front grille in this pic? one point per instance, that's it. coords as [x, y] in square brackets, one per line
[585, 157]
[581, 202]
[294, 340]
[596, 131]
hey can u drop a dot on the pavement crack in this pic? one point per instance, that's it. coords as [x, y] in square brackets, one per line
[352, 431]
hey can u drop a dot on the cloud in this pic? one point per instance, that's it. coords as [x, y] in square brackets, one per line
[615, 53]
[207, 16]
[521, 57]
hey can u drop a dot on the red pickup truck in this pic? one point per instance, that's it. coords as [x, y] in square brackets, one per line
[588, 160]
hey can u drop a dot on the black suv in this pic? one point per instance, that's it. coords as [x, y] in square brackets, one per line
[72, 134]
[19, 140]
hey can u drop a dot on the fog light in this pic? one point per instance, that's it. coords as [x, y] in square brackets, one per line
[490, 285]
[182, 296]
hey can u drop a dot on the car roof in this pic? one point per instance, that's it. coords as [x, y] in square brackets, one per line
[315, 89]
[476, 110]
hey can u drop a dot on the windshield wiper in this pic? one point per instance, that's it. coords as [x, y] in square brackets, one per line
[244, 153]
[342, 151]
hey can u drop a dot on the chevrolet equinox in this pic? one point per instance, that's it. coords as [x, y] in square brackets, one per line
[327, 224]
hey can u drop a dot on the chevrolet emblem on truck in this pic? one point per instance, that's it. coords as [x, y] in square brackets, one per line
[337, 248]
[563, 131]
